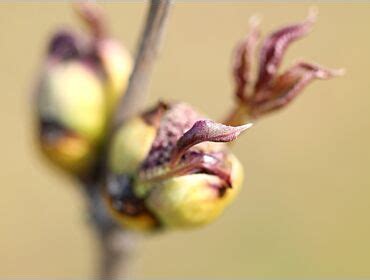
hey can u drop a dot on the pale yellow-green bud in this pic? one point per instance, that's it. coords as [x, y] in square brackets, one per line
[193, 200]
[73, 94]
[79, 87]
[160, 178]
[71, 108]
[130, 146]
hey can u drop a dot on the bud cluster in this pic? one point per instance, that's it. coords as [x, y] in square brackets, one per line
[170, 166]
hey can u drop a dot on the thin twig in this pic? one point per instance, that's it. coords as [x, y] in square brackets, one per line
[148, 48]
[115, 243]
[117, 248]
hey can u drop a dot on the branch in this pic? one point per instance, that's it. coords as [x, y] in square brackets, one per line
[149, 46]
[116, 254]
[117, 249]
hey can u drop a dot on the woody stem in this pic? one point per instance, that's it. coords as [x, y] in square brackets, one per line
[148, 49]
[115, 254]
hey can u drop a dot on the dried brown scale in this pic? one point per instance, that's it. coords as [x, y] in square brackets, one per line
[154, 116]
[220, 189]
[51, 130]
[123, 199]
[64, 46]
[176, 121]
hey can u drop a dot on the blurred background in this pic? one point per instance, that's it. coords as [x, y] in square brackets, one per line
[304, 210]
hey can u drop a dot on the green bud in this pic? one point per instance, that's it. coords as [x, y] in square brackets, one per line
[73, 94]
[193, 200]
[131, 145]
[167, 172]
[71, 115]
[80, 84]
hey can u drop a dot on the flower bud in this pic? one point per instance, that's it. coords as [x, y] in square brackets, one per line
[81, 81]
[168, 172]
[71, 112]
[195, 199]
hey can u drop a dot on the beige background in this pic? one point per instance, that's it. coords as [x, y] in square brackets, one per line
[304, 211]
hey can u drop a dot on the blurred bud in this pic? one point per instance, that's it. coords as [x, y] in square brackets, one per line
[81, 81]
[117, 64]
[167, 171]
[115, 60]
[71, 113]
[271, 90]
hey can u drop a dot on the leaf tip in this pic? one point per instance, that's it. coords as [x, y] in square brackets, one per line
[246, 126]
[313, 13]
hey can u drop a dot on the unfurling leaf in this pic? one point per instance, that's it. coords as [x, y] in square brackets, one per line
[242, 60]
[274, 47]
[271, 90]
[289, 84]
[206, 131]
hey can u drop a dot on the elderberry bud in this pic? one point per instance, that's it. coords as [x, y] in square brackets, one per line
[80, 83]
[167, 171]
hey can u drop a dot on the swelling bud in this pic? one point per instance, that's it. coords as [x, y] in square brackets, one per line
[81, 81]
[178, 176]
